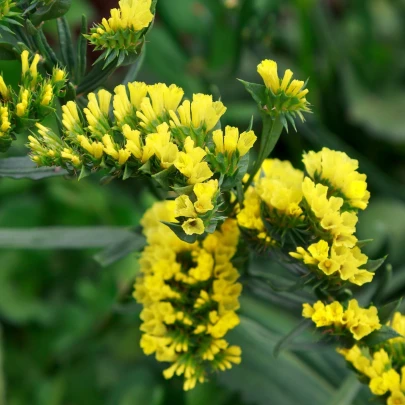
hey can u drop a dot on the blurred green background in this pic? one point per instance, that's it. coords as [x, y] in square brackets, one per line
[69, 327]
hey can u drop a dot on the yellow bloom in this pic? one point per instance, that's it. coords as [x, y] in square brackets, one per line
[338, 170]
[202, 112]
[267, 69]
[95, 149]
[4, 91]
[193, 226]
[184, 207]
[22, 106]
[70, 117]
[396, 398]
[280, 186]
[205, 193]
[201, 319]
[47, 95]
[5, 123]
[164, 150]
[232, 141]
[360, 322]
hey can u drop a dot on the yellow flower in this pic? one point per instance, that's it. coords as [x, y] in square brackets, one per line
[360, 322]
[200, 320]
[267, 69]
[95, 149]
[22, 106]
[184, 207]
[232, 141]
[4, 91]
[338, 170]
[205, 193]
[47, 95]
[70, 117]
[280, 186]
[202, 112]
[396, 398]
[193, 226]
[164, 150]
[5, 123]
[121, 29]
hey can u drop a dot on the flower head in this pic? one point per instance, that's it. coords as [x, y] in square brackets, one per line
[190, 296]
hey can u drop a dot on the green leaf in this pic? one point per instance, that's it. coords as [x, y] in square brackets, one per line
[178, 230]
[95, 78]
[287, 339]
[82, 51]
[257, 91]
[374, 265]
[56, 9]
[135, 67]
[380, 336]
[62, 237]
[347, 391]
[364, 242]
[84, 172]
[66, 45]
[25, 168]
[133, 243]
[163, 178]
[386, 311]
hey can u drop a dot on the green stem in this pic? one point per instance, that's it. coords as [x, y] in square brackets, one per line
[272, 129]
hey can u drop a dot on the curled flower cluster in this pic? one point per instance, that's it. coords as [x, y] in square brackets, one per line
[152, 131]
[284, 97]
[382, 366]
[124, 30]
[357, 321]
[189, 294]
[289, 210]
[33, 101]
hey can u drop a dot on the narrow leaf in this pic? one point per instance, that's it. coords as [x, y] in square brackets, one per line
[287, 339]
[380, 336]
[347, 391]
[386, 311]
[82, 51]
[62, 237]
[374, 265]
[24, 168]
[135, 67]
[66, 44]
[133, 243]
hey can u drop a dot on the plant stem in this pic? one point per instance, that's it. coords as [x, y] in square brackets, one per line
[272, 129]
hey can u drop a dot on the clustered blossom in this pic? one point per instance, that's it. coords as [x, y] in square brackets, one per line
[382, 366]
[358, 322]
[287, 208]
[152, 131]
[189, 294]
[284, 97]
[32, 103]
[123, 31]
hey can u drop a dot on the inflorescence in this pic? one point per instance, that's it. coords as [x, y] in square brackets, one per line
[189, 294]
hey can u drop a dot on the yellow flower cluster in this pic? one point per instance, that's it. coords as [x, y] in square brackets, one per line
[151, 131]
[360, 322]
[382, 366]
[337, 171]
[295, 211]
[286, 96]
[189, 294]
[33, 101]
[123, 30]
[338, 261]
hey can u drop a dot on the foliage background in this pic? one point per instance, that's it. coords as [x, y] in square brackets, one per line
[70, 329]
